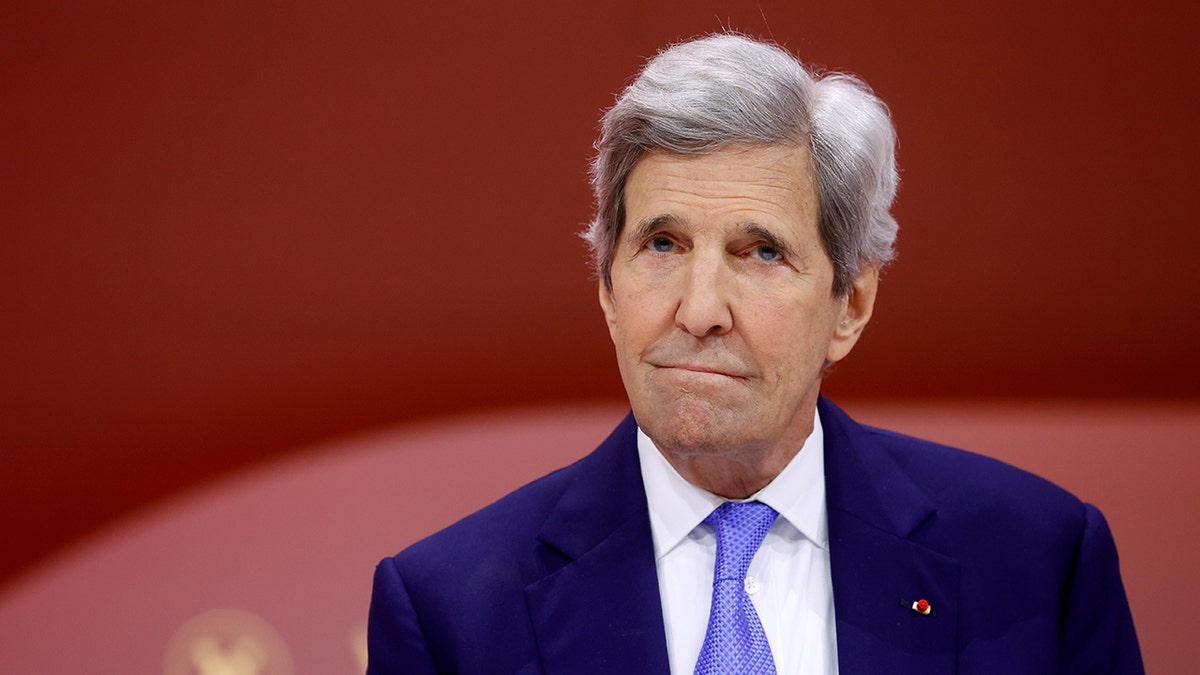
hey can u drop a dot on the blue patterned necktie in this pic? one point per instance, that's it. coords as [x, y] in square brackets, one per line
[735, 643]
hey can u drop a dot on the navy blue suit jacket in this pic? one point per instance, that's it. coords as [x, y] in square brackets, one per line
[559, 576]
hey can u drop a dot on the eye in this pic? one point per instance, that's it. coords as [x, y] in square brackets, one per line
[767, 253]
[661, 244]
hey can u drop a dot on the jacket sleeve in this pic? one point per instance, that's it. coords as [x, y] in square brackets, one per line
[395, 643]
[1097, 634]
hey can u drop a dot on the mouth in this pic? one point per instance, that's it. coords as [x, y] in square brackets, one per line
[701, 369]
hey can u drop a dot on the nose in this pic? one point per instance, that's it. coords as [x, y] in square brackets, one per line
[704, 303]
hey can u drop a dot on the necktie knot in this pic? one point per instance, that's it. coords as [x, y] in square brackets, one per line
[740, 529]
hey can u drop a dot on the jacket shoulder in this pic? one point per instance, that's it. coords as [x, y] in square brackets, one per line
[953, 476]
[501, 539]
[489, 532]
[987, 511]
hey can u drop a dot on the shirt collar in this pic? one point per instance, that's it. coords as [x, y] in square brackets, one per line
[677, 507]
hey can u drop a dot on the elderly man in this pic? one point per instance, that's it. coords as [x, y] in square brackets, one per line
[737, 522]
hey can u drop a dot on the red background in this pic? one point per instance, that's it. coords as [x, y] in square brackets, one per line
[233, 228]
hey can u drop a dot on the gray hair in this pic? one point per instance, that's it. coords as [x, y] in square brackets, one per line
[700, 96]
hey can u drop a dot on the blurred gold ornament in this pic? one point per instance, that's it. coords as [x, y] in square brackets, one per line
[227, 642]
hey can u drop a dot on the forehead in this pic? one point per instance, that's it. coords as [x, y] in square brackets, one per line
[763, 185]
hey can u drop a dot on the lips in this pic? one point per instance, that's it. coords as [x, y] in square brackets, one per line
[701, 369]
[712, 360]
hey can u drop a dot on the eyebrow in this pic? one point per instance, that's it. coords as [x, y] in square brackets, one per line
[772, 240]
[651, 225]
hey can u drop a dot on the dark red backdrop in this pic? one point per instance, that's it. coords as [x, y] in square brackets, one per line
[232, 228]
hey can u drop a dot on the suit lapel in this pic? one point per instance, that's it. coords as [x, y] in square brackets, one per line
[877, 569]
[598, 609]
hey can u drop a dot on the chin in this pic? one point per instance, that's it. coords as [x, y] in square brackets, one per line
[693, 428]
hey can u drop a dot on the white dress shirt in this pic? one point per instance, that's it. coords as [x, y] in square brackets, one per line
[789, 579]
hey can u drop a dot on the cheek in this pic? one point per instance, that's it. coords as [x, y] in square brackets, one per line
[794, 344]
[640, 311]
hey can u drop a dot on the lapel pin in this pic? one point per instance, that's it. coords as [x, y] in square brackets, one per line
[921, 606]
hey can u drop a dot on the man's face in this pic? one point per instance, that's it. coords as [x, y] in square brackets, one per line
[721, 307]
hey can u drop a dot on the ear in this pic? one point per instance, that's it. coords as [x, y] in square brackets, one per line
[609, 305]
[854, 313]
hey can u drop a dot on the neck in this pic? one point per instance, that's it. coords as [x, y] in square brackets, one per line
[733, 465]
[736, 474]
